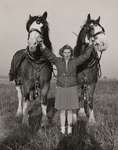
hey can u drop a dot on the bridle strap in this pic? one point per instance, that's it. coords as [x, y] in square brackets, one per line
[100, 32]
[33, 29]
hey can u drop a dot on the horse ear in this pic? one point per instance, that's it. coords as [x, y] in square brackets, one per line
[88, 17]
[30, 16]
[45, 15]
[98, 20]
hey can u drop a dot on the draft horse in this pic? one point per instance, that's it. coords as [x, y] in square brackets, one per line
[88, 73]
[35, 70]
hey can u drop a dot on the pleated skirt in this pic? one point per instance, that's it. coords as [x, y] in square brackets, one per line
[66, 98]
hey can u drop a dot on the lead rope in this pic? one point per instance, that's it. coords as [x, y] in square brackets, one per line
[99, 66]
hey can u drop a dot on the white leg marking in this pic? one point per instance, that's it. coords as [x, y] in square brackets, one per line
[69, 121]
[44, 109]
[62, 121]
[25, 113]
[25, 105]
[19, 94]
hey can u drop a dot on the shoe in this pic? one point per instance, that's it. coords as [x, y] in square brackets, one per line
[69, 130]
[63, 130]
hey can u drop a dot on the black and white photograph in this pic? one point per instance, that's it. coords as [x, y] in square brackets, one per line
[58, 75]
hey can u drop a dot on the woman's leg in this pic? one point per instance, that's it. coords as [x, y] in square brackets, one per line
[63, 120]
[74, 114]
[69, 121]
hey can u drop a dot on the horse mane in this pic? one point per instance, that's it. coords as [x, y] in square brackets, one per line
[46, 39]
[80, 42]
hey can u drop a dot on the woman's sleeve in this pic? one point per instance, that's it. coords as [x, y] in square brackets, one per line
[49, 55]
[82, 58]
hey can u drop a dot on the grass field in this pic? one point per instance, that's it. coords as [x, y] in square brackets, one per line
[102, 136]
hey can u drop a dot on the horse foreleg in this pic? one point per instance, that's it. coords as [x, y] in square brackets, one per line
[91, 89]
[44, 92]
[19, 109]
[81, 112]
[25, 112]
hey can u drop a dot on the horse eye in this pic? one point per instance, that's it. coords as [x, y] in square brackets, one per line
[38, 21]
[35, 43]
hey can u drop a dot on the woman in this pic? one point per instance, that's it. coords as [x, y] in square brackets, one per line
[66, 98]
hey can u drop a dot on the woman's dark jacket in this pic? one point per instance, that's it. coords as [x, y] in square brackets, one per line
[66, 77]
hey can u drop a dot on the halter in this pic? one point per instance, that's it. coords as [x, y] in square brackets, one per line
[39, 34]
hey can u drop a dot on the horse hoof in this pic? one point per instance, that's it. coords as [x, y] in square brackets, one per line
[19, 114]
[44, 122]
[25, 121]
[82, 113]
[92, 121]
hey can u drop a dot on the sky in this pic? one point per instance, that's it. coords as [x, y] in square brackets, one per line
[64, 18]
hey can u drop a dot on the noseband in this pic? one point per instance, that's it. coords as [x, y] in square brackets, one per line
[32, 30]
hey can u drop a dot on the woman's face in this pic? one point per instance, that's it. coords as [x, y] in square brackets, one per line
[67, 53]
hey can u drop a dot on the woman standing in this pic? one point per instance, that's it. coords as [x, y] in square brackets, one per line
[66, 98]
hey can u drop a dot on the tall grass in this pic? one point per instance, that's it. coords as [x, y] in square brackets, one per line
[102, 136]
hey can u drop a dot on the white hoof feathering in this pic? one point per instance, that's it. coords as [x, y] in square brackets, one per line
[19, 112]
[25, 120]
[44, 109]
[19, 94]
[25, 106]
[25, 113]
[63, 130]
[82, 112]
[92, 117]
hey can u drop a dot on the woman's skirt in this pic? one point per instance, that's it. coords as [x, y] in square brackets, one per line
[66, 98]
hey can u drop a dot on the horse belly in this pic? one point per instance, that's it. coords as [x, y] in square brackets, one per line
[90, 74]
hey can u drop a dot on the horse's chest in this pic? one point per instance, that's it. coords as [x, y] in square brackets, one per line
[32, 69]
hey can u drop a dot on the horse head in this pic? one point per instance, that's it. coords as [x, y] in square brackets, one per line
[38, 30]
[91, 30]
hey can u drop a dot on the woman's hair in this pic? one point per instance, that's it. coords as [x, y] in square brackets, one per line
[66, 47]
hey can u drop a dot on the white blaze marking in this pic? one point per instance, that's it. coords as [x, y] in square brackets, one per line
[34, 25]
